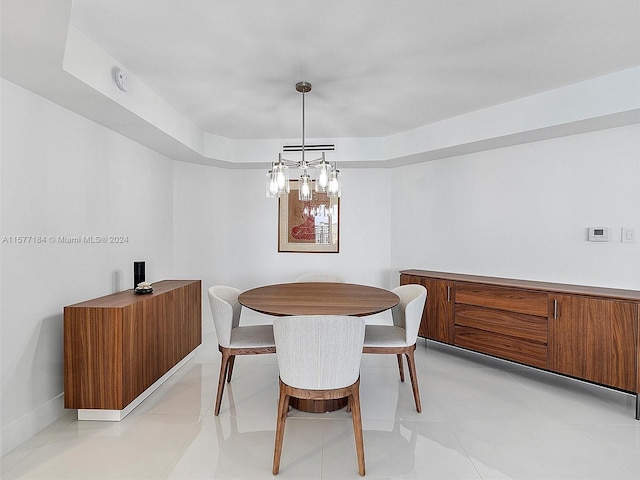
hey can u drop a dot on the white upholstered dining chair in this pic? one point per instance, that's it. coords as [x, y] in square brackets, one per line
[319, 358]
[232, 338]
[320, 277]
[400, 338]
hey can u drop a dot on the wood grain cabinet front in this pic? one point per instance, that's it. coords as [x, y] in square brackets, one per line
[117, 346]
[437, 317]
[589, 333]
[505, 322]
[594, 339]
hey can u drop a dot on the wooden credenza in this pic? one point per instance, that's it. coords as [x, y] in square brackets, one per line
[119, 348]
[590, 333]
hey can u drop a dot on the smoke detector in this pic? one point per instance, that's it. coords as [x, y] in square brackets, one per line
[122, 80]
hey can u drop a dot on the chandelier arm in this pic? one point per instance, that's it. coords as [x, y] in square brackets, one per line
[317, 161]
[297, 164]
[290, 163]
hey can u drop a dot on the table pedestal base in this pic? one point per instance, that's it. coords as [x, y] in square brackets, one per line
[317, 406]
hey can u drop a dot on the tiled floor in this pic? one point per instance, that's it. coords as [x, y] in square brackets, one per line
[482, 419]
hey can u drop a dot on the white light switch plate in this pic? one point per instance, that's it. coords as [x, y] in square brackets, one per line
[628, 234]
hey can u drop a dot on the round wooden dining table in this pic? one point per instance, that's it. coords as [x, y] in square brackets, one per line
[318, 298]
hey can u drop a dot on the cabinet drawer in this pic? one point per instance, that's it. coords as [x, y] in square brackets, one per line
[513, 300]
[520, 325]
[503, 346]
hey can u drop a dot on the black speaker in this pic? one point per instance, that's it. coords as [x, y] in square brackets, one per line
[138, 273]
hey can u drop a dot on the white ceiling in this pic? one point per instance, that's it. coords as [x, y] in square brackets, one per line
[377, 67]
[213, 81]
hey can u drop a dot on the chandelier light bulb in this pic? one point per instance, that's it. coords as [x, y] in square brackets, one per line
[304, 189]
[324, 171]
[272, 185]
[323, 178]
[273, 188]
[334, 184]
[322, 181]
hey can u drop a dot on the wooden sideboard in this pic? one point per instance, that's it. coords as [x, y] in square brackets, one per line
[589, 333]
[119, 348]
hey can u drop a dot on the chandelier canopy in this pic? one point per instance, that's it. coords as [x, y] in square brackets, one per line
[328, 176]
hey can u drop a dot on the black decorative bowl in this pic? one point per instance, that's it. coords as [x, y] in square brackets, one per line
[142, 291]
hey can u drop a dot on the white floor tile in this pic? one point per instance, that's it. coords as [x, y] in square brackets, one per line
[482, 418]
[536, 450]
[621, 442]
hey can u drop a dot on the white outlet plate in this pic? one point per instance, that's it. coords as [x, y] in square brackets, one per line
[628, 234]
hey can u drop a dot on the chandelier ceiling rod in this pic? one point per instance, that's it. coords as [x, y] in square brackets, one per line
[303, 87]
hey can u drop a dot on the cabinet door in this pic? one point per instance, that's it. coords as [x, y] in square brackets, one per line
[437, 318]
[593, 339]
[414, 279]
[440, 310]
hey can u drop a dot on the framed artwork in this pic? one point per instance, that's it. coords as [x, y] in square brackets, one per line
[312, 227]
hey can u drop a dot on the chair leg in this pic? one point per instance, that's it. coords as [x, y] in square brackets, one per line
[232, 360]
[283, 407]
[223, 373]
[357, 427]
[414, 377]
[400, 367]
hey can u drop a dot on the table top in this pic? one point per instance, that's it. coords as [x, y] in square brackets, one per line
[318, 298]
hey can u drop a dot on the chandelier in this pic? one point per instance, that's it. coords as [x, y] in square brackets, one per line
[328, 176]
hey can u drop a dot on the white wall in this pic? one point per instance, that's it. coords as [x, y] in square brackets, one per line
[63, 175]
[522, 211]
[364, 240]
[201, 213]
[235, 229]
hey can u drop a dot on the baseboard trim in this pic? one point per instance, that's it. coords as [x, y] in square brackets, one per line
[25, 427]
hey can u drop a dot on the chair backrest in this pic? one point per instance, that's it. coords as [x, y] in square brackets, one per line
[408, 313]
[225, 310]
[320, 277]
[320, 352]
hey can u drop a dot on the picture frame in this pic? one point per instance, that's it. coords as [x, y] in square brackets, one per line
[308, 227]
